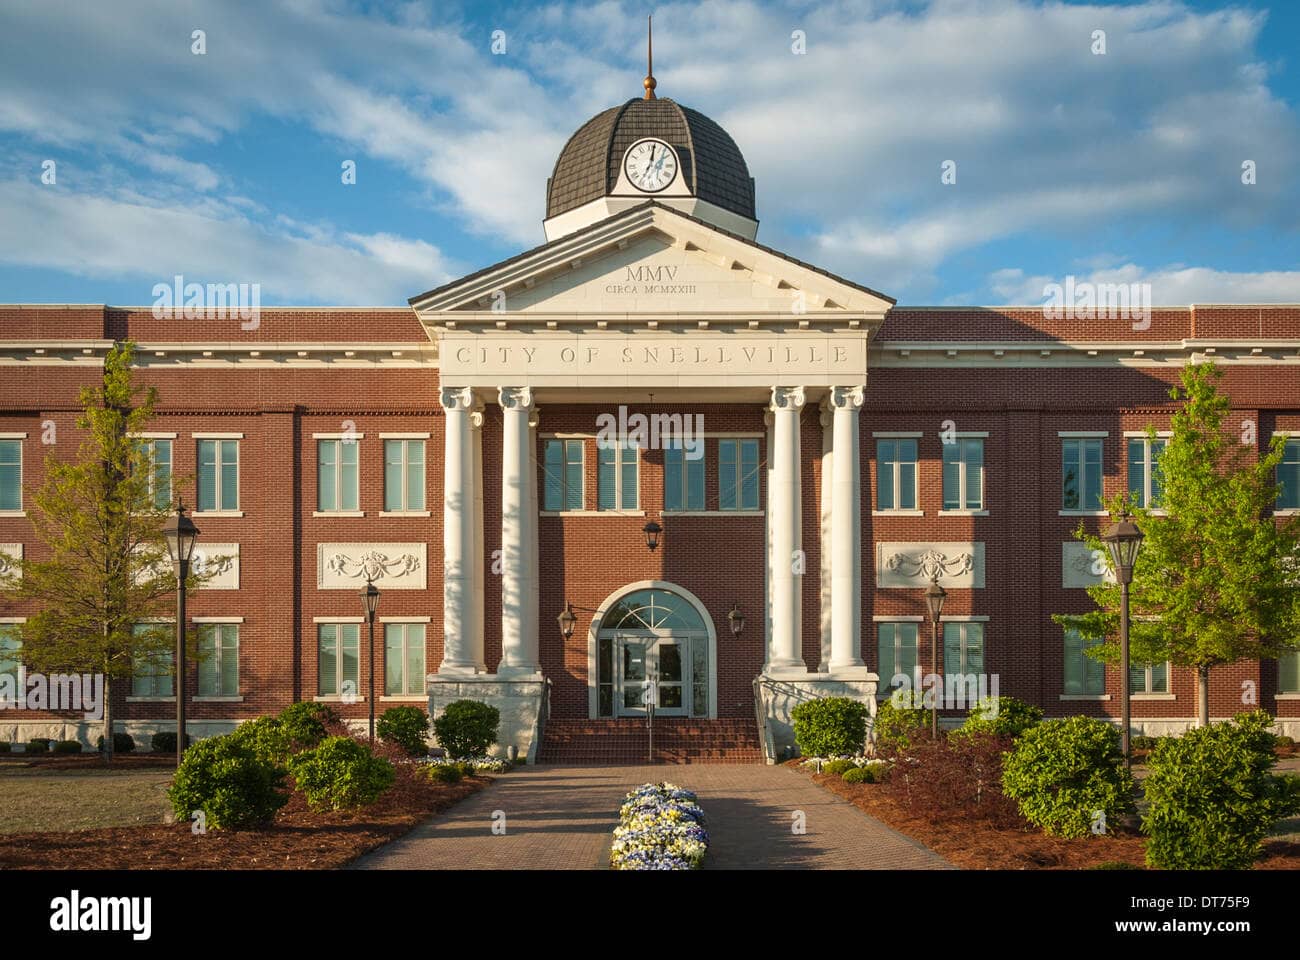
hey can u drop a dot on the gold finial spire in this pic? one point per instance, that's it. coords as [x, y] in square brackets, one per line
[649, 58]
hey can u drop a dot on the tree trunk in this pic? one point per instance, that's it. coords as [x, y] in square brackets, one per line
[1203, 696]
[108, 721]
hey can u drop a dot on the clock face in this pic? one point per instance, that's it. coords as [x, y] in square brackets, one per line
[650, 165]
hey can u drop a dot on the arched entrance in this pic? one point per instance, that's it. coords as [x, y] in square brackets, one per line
[656, 635]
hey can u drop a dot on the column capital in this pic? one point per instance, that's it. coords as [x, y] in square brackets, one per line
[850, 398]
[788, 398]
[456, 398]
[515, 398]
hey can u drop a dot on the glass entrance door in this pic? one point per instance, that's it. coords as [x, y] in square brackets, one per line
[653, 668]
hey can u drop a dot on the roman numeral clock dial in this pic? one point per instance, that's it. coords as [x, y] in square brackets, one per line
[650, 165]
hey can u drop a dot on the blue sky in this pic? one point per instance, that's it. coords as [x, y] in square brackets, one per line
[225, 166]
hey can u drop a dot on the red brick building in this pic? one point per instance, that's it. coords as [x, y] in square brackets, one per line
[823, 454]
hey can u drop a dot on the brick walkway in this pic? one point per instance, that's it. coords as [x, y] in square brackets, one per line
[562, 818]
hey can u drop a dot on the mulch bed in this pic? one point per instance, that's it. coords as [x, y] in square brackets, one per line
[978, 846]
[299, 839]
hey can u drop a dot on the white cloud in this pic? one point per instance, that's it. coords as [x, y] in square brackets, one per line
[1174, 285]
[114, 237]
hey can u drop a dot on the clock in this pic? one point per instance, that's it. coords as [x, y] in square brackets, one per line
[650, 165]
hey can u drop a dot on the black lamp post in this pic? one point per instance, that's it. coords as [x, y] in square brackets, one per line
[181, 534]
[1124, 540]
[935, 595]
[370, 598]
[652, 531]
[736, 619]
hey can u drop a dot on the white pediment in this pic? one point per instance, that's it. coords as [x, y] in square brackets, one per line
[649, 261]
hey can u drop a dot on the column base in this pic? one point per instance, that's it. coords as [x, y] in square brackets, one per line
[853, 670]
[779, 695]
[462, 668]
[518, 700]
[786, 669]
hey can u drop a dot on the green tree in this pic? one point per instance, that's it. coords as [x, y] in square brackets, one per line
[107, 568]
[1216, 578]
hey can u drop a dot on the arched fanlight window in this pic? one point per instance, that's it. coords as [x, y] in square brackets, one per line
[652, 610]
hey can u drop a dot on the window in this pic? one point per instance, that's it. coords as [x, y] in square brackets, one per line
[963, 474]
[151, 673]
[738, 474]
[1144, 470]
[404, 659]
[219, 660]
[1288, 476]
[403, 475]
[897, 651]
[11, 474]
[1084, 676]
[563, 481]
[157, 454]
[9, 662]
[1148, 678]
[339, 670]
[336, 475]
[1288, 672]
[683, 478]
[963, 648]
[896, 474]
[218, 475]
[1081, 474]
[616, 476]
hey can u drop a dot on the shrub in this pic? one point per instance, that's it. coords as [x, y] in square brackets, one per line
[859, 775]
[1064, 772]
[467, 728]
[306, 724]
[1001, 717]
[1285, 742]
[1115, 865]
[42, 744]
[266, 737]
[66, 746]
[954, 778]
[6, 746]
[122, 743]
[898, 726]
[1212, 798]
[339, 773]
[231, 785]
[407, 727]
[443, 772]
[837, 768]
[165, 741]
[1142, 743]
[830, 726]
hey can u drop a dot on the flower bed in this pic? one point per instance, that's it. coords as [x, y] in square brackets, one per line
[661, 827]
[477, 764]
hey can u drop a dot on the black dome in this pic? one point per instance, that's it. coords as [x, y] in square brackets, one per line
[711, 163]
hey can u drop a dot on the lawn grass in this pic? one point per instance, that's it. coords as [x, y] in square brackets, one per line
[38, 800]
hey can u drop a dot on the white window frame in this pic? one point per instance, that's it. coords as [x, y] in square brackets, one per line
[965, 510]
[1082, 436]
[703, 460]
[153, 440]
[220, 624]
[739, 507]
[1283, 694]
[338, 440]
[1146, 692]
[218, 510]
[405, 510]
[337, 622]
[883, 690]
[963, 624]
[619, 449]
[21, 510]
[897, 511]
[406, 625]
[1291, 437]
[563, 440]
[1083, 653]
[14, 622]
[1148, 465]
[170, 657]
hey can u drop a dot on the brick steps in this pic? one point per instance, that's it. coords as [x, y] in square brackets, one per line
[626, 741]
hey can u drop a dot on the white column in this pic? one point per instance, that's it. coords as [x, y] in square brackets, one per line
[460, 623]
[477, 650]
[785, 658]
[846, 533]
[826, 498]
[535, 553]
[518, 516]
